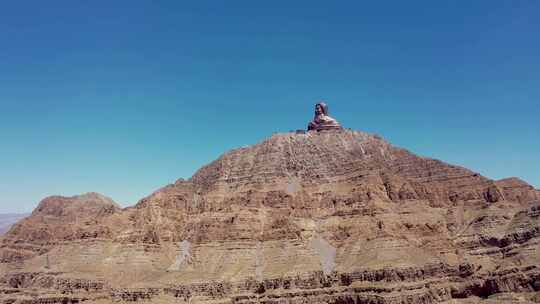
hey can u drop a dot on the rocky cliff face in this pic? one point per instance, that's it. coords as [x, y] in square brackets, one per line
[323, 217]
[57, 220]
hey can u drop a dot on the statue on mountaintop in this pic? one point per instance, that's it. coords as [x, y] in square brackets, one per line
[322, 121]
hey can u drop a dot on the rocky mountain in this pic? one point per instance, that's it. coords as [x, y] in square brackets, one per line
[336, 216]
[8, 219]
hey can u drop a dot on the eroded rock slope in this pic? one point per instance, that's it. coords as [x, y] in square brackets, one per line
[323, 217]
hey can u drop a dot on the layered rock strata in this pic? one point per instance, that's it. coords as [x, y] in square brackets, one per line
[335, 216]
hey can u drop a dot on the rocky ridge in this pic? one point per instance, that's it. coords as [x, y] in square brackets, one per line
[338, 216]
[8, 219]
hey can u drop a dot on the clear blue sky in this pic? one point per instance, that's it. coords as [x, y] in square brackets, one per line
[122, 98]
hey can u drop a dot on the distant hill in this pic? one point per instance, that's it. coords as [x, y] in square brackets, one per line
[8, 219]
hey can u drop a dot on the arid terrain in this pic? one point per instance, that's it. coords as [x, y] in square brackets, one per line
[337, 216]
[8, 219]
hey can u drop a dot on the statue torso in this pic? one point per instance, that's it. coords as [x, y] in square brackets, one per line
[323, 122]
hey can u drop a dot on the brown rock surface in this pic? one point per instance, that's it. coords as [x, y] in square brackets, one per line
[324, 217]
[7, 220]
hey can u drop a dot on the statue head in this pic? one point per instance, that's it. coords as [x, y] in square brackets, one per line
[321, 108]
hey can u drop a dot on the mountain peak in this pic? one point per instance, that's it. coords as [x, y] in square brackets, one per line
[318, 212]
[341, 156]
[87, 204]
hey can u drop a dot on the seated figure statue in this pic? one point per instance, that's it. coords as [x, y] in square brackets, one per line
[322, 121]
